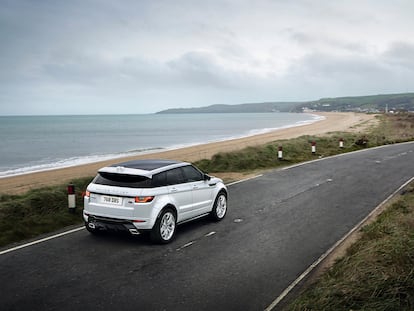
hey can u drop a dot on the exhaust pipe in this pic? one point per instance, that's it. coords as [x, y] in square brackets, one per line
[134, 231]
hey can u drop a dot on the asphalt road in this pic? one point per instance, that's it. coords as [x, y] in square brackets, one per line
[277, 226]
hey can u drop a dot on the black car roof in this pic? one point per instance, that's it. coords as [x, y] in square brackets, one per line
[147, 165]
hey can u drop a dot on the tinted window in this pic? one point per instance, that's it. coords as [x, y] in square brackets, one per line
[192, 174]
[122, 180]
[159, 180]
[175, 176]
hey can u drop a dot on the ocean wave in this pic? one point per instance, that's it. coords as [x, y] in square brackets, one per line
[253, 132]
[73, 161]
[315, 118]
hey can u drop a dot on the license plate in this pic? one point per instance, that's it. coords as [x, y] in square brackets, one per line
[111, 200]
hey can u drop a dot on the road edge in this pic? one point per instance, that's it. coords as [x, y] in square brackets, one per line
[328, 255]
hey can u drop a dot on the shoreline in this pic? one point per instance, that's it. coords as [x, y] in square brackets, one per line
[72, 161]
[334, 121]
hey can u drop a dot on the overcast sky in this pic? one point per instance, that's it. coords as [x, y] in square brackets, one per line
[106, 56]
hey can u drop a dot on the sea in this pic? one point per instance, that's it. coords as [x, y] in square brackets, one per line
[39, 143]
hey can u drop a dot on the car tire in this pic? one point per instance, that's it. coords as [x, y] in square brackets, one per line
[220, 206]
[165, 227]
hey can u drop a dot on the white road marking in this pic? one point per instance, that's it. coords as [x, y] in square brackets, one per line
[41, 240]
[193, 242]
[243, 180]
[185, 245]
[343, 155]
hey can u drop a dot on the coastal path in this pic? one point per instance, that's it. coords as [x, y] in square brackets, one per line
[278, 225]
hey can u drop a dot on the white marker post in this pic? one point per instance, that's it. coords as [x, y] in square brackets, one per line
[313, 145]
[71, 198]
[341, 143]
[280, 153]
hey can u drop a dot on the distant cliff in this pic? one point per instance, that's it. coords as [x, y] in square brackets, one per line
[371, 103]
[251, 108]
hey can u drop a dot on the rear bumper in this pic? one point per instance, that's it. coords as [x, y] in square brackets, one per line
[110, 224]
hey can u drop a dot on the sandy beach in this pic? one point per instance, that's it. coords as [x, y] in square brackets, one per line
[334, 121]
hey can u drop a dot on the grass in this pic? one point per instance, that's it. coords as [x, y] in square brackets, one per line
[377, 272]
[45, 210]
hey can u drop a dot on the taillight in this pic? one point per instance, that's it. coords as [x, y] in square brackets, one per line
[87, 194]
[144, 199]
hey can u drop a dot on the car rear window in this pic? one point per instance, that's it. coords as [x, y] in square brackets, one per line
[122, 180]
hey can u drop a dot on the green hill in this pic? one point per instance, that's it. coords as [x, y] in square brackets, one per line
[254, 107]
[371, 103]
[374, 103]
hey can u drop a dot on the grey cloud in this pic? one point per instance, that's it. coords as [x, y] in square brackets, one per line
[348, 75]
[314, 42]
[320, 64]
[193, 69]
[103, 53]
[200, 69]
[74, 68]
[402, 54]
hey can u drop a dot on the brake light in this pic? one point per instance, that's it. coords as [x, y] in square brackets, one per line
[87, 194]
[144, 199]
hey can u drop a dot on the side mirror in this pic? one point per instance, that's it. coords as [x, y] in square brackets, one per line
[207, 177]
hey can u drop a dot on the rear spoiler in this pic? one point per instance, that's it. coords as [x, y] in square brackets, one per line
[124, 170]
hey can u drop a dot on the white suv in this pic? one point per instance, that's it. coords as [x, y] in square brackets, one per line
[152, 195]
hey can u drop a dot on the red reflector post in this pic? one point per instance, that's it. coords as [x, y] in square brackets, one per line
[71, 189]
[71, 198]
